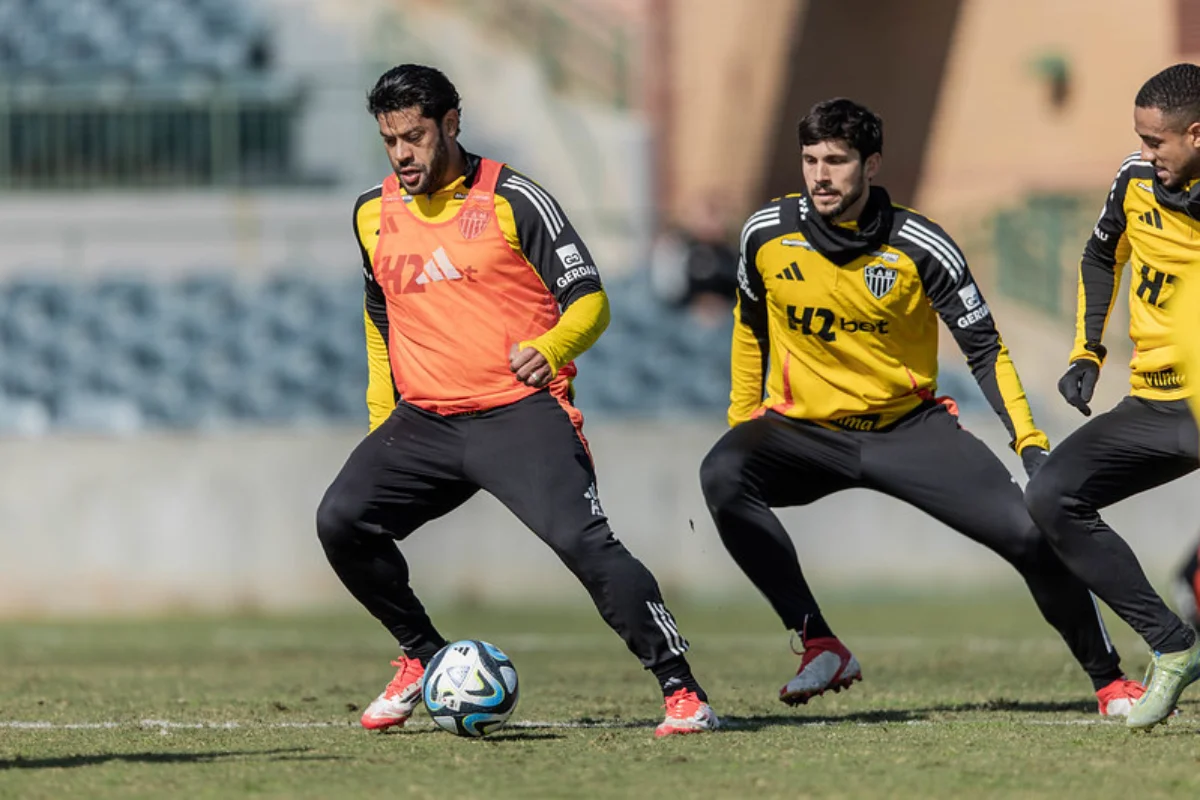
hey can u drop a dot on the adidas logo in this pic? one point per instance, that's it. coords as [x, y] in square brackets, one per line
[439, 268]
[1152, 218]
[791, 273]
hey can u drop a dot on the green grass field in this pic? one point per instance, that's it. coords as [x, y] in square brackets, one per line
[961, 695]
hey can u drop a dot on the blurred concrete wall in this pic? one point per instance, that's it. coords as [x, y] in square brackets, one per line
[998, 132]
[226, 521]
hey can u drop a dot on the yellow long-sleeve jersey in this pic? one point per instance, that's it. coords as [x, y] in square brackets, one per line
[854, 345]
[1161, 245]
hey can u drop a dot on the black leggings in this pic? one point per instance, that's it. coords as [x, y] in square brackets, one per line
[418, 466]
[1138, 445]
[926, 460]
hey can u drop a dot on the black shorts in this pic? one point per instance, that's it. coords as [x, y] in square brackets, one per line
[925, 459]
[418, 466]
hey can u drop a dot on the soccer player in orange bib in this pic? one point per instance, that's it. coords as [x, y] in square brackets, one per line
[479, 295]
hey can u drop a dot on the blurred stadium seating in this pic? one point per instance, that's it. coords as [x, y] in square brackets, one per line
[127, 353]
[71, 39]
[125, 92]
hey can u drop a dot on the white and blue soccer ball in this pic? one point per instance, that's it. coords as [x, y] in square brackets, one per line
[470, 688]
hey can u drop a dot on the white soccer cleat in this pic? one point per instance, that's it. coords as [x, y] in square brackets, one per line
[687, 713]
[826, 665]
[399, 699]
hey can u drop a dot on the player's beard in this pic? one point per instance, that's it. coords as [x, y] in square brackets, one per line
[433, 175]
[1186, 175]
[846, 201]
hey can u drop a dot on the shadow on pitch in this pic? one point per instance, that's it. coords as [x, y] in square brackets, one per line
[907, 715]
[1015, 706]
[761, 721]
[287, 754]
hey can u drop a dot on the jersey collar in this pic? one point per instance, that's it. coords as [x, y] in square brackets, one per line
[463, 182]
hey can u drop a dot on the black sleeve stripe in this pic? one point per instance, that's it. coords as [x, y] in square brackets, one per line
[374, 300]
[548, 240]
[770, 216]
[545, 205]
[363, 199]
[934, 241]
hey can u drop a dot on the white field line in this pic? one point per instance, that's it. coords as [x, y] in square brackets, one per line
[169, 725]
[1037, 642]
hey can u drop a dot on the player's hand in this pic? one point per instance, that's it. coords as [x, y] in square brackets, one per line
[1077, 385]
[530, 367]
[1032, 458]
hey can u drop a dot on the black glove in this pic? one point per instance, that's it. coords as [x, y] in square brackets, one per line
[1032, 458]
[1078, 383]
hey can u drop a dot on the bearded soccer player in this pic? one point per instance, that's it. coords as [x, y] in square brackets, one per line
[479, 294]
[839, 298]
[1152, 220]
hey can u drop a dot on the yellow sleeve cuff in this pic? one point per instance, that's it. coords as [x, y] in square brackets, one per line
[381, 390]
[576, 330]
[1034, 438]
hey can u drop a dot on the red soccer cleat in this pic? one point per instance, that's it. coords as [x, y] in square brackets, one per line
[687, 713]
[402, 695]
[1118, 697]
[826, 665]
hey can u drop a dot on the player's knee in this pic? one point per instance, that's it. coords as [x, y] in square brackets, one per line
[337, 516]
[589, 553]
[722, 476]
[1046, 497]
[1029, 550]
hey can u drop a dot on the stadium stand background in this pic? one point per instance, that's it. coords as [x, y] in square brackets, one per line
[181, 355]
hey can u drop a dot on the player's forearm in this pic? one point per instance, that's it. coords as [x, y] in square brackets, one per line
[1098, 283]
[748, 362]
[576, 330]
[994, 371]
[1015, 405]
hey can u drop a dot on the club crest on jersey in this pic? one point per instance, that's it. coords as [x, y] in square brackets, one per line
[880, 279]
[473, 218]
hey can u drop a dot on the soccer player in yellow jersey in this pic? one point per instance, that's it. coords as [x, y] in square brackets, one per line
[1185, 325]
[839, 299]
[1152, 220]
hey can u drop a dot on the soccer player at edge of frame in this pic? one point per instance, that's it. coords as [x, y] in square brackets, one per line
[1151, 219]
[834, 381]
[1185, 333]
[479, 294]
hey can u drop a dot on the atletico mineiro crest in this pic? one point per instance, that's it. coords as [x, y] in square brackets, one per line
[474, 216]
[880, 279]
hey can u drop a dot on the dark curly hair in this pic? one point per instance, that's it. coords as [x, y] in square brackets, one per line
[843, 119]
[411, 85]
[1175, 92]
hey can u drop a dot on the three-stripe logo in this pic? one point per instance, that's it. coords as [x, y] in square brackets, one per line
[438, 268]
[547, 209]
[937, 245]
[670, 631]
[1152, 218]
[757, 221]
[791, 273]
